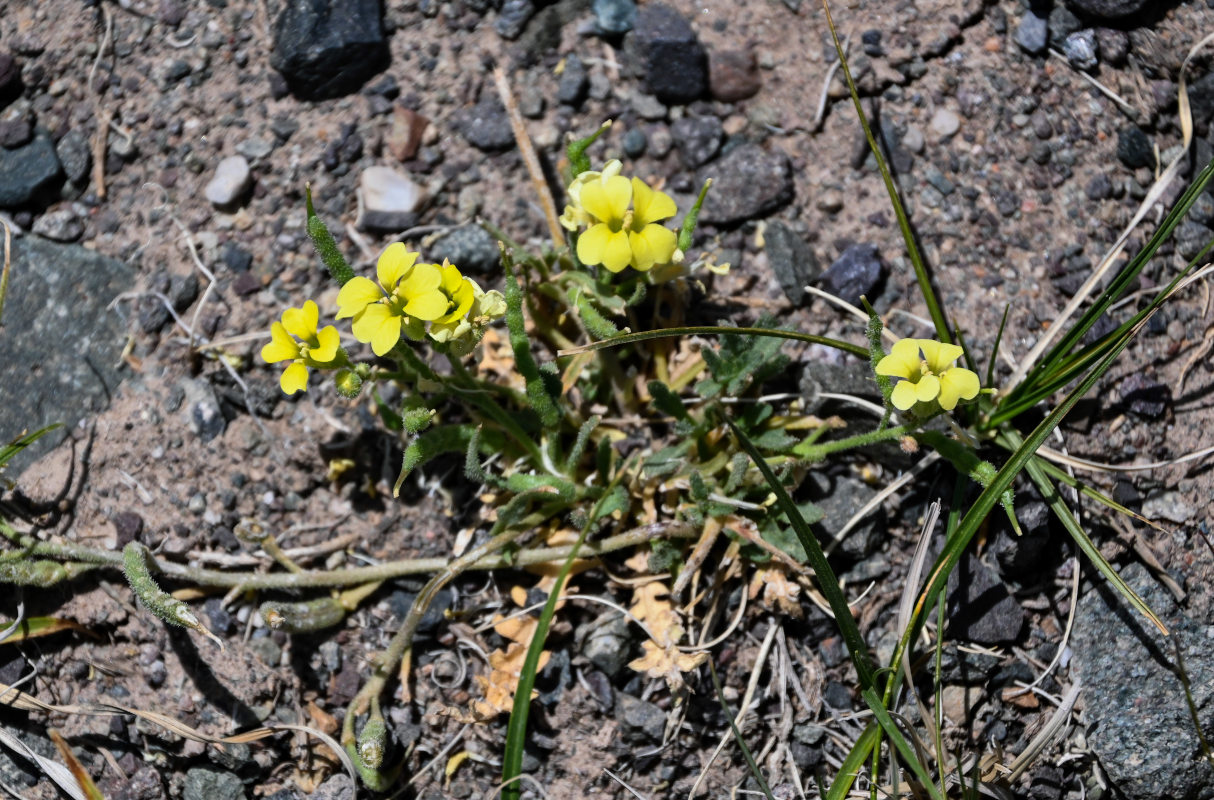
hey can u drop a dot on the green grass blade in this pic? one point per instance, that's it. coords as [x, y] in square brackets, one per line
[1120, 285]
[737, 734]
[827, 581]
[516, 729]
[943, 332]
[10, 450]
[717, 330]
[1049, 493]
[849, 770]
[900, 744]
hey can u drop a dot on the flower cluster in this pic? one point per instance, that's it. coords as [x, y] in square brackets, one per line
[621, 219]
[405, 296]
[927, 374]
[297, 340]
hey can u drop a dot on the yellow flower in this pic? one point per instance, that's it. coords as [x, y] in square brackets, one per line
[927, 372]
[618, 236]
[460, 293]
[463, 332]
[313, 348]
[407, 294]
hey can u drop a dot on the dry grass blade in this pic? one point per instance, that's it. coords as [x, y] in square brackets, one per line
[58, 773]
[906, 605]
[78, 771]
[25, 702]
[1153, 196]
[1043, 738]
[8, 263]
[531, 161]
[627, 788]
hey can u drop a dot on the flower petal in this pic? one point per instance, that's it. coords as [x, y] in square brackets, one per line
[367, 324]
[281, 347]
[649, 205]
[428, 306]
[328, 343]
[903, 396]
[618, 253]
[592, 244]
[958, 383]
[294, 378]
[607, 199]
[357, 294]
[653, 245]
[902, 361]
[423, 278]
[301, 322]
[927, 389]
[938, 355]
[393, 263]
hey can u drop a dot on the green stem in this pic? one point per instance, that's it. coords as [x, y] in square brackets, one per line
[818, 452]
[311, 579]
[717, 330]
[475, 396]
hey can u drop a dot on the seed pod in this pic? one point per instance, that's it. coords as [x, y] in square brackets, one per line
[373, 742]
[136, 563]
[313, 615]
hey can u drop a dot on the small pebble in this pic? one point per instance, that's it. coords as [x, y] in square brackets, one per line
[388, 200]
[1080, 49]
[945, 122]
[1032, 34]
[232, 179]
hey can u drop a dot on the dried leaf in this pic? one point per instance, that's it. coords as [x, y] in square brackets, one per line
[778, 592]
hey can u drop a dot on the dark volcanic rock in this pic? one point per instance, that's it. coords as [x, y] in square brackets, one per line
[486, 126]
[856, 272]
[981, 610]
[791, 259]
[675, 66]
[62, 345]
[27, 172]
[748, 182]
[328, 48]
[1109, 9]
[1134, 147]
[698, 139]
[469, 247]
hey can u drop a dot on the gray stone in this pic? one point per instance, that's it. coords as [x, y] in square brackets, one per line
[1080, 49]
[1138, 721]
[1113, 46]
[10, 79]
[63, 346]
[16, 130]
[255, 149]
[61, 225]
[607, 644]
[470, 247]
[697, 138]
[980, 607]
[76, 155]
[1062, 22]
[1144, 396]
[337, 787]
[328, 48]
[674, 64]
[1169, 506]
[748, 183]
[838, 503]
[1108, 9]
[573, 83]
[232, 179]
[513, 18]
[641, 715]
[1032, 34]
[200, 407]
[387, 200]
[614, 17]
[945, 123]
[1191, 237]
[485, 126]
[857, 271]
[211, 783]
[634, 143]
[791, 259]
[647, 106]
[28, 172]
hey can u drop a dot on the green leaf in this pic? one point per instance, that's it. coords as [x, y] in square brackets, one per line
[575, 151]
[543, 390]
[326, 246]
